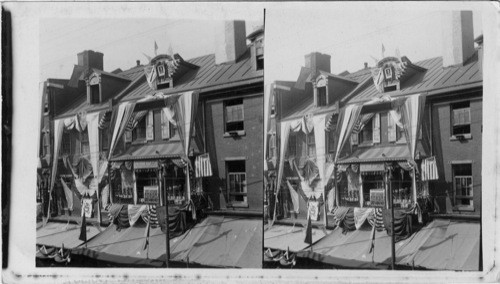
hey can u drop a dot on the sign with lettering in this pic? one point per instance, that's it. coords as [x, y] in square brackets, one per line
[377, 197]
[151, 194]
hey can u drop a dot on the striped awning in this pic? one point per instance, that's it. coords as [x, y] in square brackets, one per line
[378, 154]
[151, 151]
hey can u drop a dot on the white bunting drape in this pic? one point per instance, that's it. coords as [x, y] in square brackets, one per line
[58, 131]
[319, 137]
[285, 131]
[349, 117]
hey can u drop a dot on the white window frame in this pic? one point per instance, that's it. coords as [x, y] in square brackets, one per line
[460, 197]
[243, 189]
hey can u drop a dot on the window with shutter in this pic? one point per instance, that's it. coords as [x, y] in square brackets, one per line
[311, 145]
[165, 126]
[376, 128]
[460, 116]
[234, 115]
[354, 139]
[150, 126]
[391, 129]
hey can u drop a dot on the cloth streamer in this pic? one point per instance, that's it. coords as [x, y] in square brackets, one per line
[69, 194]
[349, 116]
[361, 215]
[295, 197]
[134, 212]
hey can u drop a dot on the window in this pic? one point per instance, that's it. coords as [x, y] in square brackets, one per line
[236, 183]
[272, 147]
[161, 70]
[366, 134]
[321, 92]
[388, 73]
[150, 131]
[66, 143]
[46, 144]
[460, 117]
[147, 186]
[292, 145]
[46, 104]
[94, 94]
[165, 126]
[85, 146]
[104, 137]
[139, 132]
[330, 141]
[311, 145]
[462, 185]
[273, 105]
[259, 53]
[234, 115]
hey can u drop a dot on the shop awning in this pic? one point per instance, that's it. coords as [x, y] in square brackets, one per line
[221, 241]
[289, 237]
[217, 241]
[378, 154]
[56, 234]
[150, 151]
[441, 245]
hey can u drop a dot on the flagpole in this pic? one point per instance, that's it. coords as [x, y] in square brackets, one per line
[391, 202]
[165, 200]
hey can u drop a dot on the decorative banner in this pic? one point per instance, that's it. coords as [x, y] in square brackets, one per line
[313, 210]
[87, 207]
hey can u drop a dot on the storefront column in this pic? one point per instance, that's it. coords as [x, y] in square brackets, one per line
[109, 183]
[414, 184]
[335, 182]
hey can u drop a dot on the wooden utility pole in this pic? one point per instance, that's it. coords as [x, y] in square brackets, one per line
[391, 204]
[163, 172]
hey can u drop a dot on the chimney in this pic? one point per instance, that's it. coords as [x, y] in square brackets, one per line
[366, 65]
[317, 61]
[138, 62]
[232, 43]
[91, 59]
[458, 37]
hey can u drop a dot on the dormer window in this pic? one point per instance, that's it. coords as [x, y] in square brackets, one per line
[94, 90]
[161, 70]
[388, 73]
[322, 96]
[321, 92]
[164, 80]
[259, 53]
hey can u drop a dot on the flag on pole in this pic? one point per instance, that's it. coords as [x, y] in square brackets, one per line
[146, 242]
[83, 230]
[170, 51]
[372, 244]
[156, 48]
[383, 50]
[308, 238]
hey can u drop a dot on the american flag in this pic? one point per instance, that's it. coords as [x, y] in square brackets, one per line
[203, 168]
[429, 169]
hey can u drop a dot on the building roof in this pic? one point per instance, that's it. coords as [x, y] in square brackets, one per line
[81, 104]
[133, 73]
[209, 75]
[435, 78]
